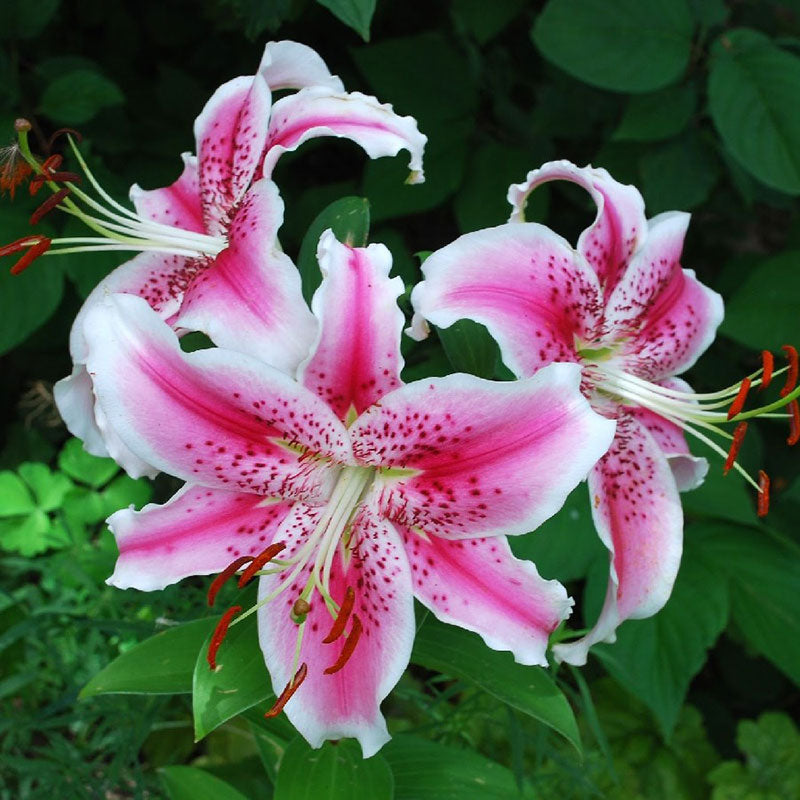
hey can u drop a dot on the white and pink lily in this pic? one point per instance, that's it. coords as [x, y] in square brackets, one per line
[209, 253]
[622, 308]
[353, 492]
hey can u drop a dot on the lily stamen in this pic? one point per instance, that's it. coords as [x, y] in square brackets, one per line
[763, 493]
[349, 646]
[259, 561]
[767, 362]
[794, 423]
[339, 624]
[225, 576]
[791, 377]
[738, 404]
[38, 245]
[48, 205]
[738, 437]
[219, 635]
[286, 694]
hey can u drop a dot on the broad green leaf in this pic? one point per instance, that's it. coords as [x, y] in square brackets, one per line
[239, 682]
[624, 45]
[79, 465]
[15, 497]
[162, 664]
[272, 737]
[49, 488]
[763, 311]
[348, 218]
[26, 535]
[764, 575]
[710, 12]
[426, 770]
[485, 20]
[679, 174]
[336, 771]
[356, 14]
[752, 90]
[125, 491]
[567, 544]
[658, 115]
[656, 658]
[470, 348]
[191, 783]
[27, 300]
[78, 96]
[528, 689]
[20, 19]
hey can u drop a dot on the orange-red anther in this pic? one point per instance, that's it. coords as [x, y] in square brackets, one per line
[791, 375]
[41, 246]
[767, 364]
[286, 694]
[349, 645]
[738, 436]
[225, 576]
[48, 205]
[262, 558]
[794, 423]
[738, 403]
[61, 132]
[21, 244]
[219, 634]
[337, 629]
[763, 493]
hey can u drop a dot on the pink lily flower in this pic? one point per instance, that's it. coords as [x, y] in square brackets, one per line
[352, 491]
[209, 254]
[621, 307]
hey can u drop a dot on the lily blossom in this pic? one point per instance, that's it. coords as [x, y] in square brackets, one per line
[209, 257]
[347, 491]
[622, 308]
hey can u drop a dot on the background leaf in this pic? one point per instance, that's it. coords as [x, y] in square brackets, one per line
[355, 13]
[78, 96]
[190, 783]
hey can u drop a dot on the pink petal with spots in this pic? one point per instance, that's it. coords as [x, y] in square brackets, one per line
[291, 65]
[478, 585]
[214, 417]
[356, 359]
[317, 111]
[231, 132]
[617, 230]
[688, 470]
[532, 291]
[488, 458]
[637, 513]
[178, 204]
[346, 703]
[199, 531]
[250, 298]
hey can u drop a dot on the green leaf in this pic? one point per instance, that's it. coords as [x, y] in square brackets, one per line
[49, 488]
[470, 348]
[678, 174]
[20, 19]
[27, 300]
[334, 771]
[528, 689]
[162, 664]
[239, 682]
[191, 783]
[485, 20]
[125, 491]
[658, 115]
[764, 576]
[356, 14]
[348, 218]
[762, 312]
[15, 498]
[656, 658]
[79, 465]
[26, 535]
[624, 45]
[752, 92]
[426, 770]
[78, 96]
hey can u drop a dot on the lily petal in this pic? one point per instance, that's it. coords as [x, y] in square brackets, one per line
[619, 227]
[177, 204]
[318, 111]
[478, 585]
[231, 131]
[214, 417]
[484, 458]
[250, 298]
[199, 531]
[356, 359]
[346, 703]
[291, 65]
[638, 515]
[532, 291]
